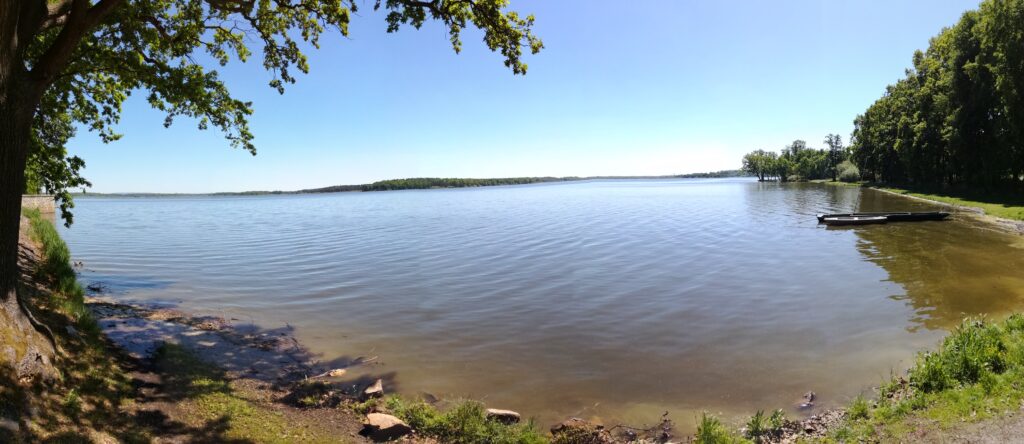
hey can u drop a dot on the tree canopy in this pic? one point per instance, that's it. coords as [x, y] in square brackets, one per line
[957, 116]
[797, 161]
[85, 58]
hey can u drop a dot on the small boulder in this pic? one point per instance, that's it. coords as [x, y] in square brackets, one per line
[374, 391]
[580, 431]
[503, 416]
[382, 427]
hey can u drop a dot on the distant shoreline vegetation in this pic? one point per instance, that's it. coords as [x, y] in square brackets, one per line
[426, 183]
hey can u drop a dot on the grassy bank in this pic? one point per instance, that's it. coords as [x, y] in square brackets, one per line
[82, 404]
[976, 374]
[102, 396]
[1005, 205]
[838, 183]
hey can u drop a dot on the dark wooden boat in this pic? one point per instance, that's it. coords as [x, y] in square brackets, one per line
[900, 216]
[919, 216]
[855, 220]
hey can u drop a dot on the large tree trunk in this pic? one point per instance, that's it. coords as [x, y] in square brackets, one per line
[22, 347]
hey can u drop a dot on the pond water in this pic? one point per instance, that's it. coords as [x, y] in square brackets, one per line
[614, 300]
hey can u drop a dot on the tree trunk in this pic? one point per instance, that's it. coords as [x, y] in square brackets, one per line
[22, 347]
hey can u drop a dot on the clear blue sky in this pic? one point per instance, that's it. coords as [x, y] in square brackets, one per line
[623, 88]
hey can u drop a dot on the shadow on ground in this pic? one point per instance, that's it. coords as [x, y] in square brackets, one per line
[161, 375]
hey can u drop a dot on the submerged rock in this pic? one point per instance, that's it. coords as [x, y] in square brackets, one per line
[374, 391]
[808, 401]
[503, 416]
[382, 427]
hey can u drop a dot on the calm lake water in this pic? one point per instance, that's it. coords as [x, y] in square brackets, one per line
[615, 300]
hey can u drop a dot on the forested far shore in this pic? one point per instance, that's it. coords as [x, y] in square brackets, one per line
[422, 183]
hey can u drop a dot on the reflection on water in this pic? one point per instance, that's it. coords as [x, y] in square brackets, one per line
[609, 299]
[947, 271]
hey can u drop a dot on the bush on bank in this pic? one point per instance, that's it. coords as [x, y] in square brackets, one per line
[976, 373]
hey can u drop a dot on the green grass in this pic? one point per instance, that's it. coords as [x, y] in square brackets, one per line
[54, 268]
[463, 423]
[1003, 204]
[207, 397]
[976, 373]
[710, 430]
[999, 204]
[839, 183]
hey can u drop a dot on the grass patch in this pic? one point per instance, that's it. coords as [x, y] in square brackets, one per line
[710, 430]
[1007, 205]
[55, 271]
[93, 386]
[839, 183]
[976, 373]
[209, 400]
[463, 423]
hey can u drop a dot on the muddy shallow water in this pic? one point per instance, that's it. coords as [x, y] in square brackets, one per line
[616, 300]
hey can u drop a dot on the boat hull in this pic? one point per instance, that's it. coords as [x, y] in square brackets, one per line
[855, 220]
[903, 216]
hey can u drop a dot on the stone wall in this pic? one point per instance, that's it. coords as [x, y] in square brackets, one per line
[44, 202]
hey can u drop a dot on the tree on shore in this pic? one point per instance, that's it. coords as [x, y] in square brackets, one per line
[956, 118]
[795, 161]
[760, 163]
[836, 154]
[70, 63]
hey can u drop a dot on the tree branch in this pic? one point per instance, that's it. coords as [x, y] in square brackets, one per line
[80, 19]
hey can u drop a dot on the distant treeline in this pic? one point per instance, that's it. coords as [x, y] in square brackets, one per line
[957, 117]
[715, 174]
[420, 183]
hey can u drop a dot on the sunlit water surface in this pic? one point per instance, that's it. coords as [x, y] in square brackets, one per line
[614, 300]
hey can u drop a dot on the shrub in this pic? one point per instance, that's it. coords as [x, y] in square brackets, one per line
[711, 431]
[858, 408]
[464, 423]
[757, 426]
[778, 420]
[964, 357]
[848, 172]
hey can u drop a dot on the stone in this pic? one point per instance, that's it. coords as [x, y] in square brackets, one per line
[374, 391]
[580, 431]
[383, 427]
[810, 397]
[503, 416]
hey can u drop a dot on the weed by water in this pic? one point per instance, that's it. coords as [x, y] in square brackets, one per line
[859, 409]
[464, 423]
[710, 430]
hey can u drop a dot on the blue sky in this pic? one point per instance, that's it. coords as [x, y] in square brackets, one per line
[623, 88]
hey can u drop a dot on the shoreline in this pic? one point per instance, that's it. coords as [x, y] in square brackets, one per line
[140, 331]
[1013, 226]
[1009, 225]
[273, 366]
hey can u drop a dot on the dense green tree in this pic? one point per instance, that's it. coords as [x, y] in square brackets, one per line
[68, 63]
[795, 161]
[836, 153]
[957, 116]
[760, 163]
